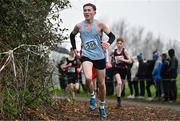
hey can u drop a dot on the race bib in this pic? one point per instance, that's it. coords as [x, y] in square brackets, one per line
[90, 45]
[118, 59]
[71, 69]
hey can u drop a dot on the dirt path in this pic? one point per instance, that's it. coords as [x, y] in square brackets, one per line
[78, 111]
[131, 110]
[174, 107]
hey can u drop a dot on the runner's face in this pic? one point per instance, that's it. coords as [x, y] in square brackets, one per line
[119, 44]
[88, 12]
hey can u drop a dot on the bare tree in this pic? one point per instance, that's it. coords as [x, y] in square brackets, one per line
[135, 38]
[158, 44]
[147, 46]
[119, 28]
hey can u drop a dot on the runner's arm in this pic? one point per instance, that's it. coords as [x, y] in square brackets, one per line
[72, 36]
[108, 33]
[128, 60]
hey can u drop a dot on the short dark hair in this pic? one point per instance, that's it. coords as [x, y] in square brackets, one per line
[90, 4]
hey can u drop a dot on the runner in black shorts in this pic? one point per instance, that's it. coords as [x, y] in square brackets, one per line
[121, 59]
[98, 64]
[71, 66]
[93, 48]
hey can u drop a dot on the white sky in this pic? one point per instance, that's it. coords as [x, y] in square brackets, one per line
[162, 17]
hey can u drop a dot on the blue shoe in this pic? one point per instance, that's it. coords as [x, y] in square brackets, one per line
[92, 104]
[102, 113]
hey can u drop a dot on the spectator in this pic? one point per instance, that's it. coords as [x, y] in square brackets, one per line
[62, 74]
[172, 75]
[130, 80]
[134, 70]
[165, 76]
[157, 74]
[141, 75]
[149, 79]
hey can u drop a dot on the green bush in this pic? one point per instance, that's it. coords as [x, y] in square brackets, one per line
[26, 35]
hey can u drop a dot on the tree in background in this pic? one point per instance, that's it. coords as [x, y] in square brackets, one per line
[147, 45]
[136, 40]
[119, 28]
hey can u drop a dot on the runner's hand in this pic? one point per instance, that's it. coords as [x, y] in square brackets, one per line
[108, 65]
[105, 45]
[76, 53]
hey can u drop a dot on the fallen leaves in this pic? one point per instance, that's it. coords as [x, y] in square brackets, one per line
[79, 111]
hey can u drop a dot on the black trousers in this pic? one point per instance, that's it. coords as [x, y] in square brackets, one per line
[166, 89]
[139, 87]
[149, 82]
[172, 90]
[136, 88]
[142, 87]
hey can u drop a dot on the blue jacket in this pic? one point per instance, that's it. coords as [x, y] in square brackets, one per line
[157, 70]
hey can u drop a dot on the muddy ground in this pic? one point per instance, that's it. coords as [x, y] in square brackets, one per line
[130, 110]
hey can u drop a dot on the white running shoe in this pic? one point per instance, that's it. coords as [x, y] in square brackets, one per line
[131, 97]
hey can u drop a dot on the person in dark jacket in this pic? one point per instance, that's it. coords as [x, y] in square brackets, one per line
[165, 76]
[141, 75]
[172, 75]
[149, 79]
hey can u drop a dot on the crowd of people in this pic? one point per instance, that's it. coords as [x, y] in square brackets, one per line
[160, 71]
[93, 65]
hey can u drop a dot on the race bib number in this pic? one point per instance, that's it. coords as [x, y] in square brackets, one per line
[91, 45]
[118, 59]
[71, 69]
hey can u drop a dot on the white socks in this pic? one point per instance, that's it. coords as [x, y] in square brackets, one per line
[101, 104]
[93, 95]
